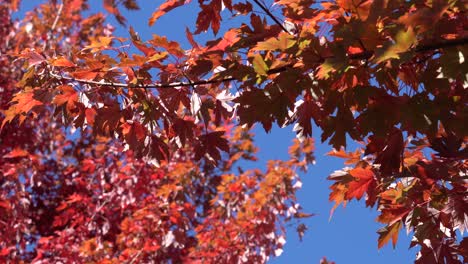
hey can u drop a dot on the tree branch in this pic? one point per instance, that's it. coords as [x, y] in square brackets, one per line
[271, 15]
[144, 86]
[442, 44]
[358, 56]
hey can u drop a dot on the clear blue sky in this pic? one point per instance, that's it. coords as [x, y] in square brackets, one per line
[350, 236]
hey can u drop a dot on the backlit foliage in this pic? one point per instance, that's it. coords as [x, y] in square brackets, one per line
[128, 149]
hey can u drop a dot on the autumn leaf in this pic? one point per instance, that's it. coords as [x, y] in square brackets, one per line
[259, 65]
[227, 41]
[337, 195]
[134, 133]
[32, 56]
[351, 157]
[67, 96]
[387, 233]
[210, 144]
[25, 102]
[283, 42]
[62, 62]
[404, 40]
[363, 180]
[164, 8]
[16, 153]
[99, 43]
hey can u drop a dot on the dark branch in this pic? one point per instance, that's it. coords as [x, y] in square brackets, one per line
[442, 44]
[144, 86]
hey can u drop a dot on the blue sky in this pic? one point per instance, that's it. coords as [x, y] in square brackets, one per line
[350, 236]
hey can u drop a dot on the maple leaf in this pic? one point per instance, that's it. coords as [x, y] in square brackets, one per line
[304, 113]
[209, 144]
[404, 40]
[210, 15]
[25, 102]
[387, 233]
[68, 96]
[62, 62]
[337, 195]
[363, 180]
[134, 134]
[390, 156]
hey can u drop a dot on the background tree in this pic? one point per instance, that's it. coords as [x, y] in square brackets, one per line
[111, 156]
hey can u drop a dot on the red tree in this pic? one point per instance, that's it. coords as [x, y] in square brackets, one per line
[102, 163]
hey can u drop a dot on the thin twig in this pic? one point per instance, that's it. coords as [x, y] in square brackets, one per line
[54, 25]
[59, 13]
[271, 16]
[144, 86]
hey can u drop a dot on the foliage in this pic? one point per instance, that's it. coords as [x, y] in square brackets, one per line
[101, 163]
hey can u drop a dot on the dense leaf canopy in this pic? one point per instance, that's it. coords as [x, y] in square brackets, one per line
[120, 149]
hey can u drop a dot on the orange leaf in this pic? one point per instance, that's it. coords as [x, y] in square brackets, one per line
[109, 5]
[351, 157]
[16, 153]
[99, 43]
[85, 74]
[337, 195]
[363, 179]
[25, 102]
[387, 233]
[62, 62]
[68, 96]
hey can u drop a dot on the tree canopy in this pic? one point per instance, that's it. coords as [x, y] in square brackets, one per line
[132, 149]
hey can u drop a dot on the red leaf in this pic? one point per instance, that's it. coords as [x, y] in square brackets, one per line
[354, 50]
[304, 113]
[134, 134]
[33, 57]
[229, 38]
[390, 157]
[209, 144]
